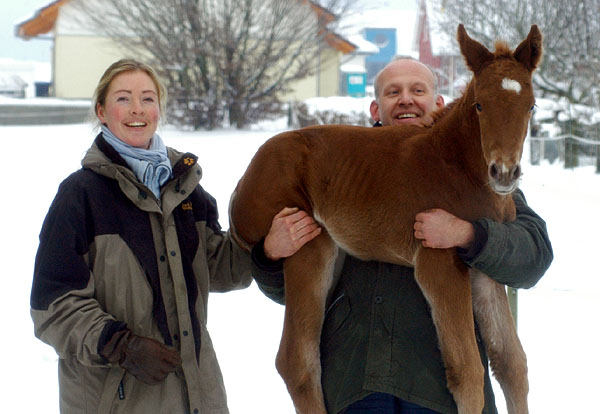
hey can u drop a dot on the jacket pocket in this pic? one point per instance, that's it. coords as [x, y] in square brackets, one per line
[112, 390]
[335, 317]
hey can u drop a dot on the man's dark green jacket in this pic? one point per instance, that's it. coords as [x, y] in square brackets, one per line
[378, 335]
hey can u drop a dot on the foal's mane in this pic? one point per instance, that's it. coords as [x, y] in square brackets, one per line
[502, 49]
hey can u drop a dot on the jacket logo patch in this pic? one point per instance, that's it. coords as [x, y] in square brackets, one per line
[188, 161]
[186, 206]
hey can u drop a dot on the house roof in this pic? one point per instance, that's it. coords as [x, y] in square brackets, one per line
[45, 18]
[12, 82]
[339, 43]
[42, 22]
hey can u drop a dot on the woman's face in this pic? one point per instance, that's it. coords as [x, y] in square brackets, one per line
[131, 109]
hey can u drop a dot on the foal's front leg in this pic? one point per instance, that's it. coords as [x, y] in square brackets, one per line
[308, 276]
[445, 283]
[502, 344]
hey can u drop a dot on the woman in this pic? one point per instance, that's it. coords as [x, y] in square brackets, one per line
[128, 252]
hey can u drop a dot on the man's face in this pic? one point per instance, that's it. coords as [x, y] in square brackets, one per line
[406, 93]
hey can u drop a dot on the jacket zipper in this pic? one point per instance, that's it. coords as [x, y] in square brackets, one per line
[121, 391]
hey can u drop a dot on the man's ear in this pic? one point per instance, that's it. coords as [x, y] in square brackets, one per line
[439, 101]
[375, 111]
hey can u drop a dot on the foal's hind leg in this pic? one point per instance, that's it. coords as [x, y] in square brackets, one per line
[445, 283]
[502, 344]
[308, 276]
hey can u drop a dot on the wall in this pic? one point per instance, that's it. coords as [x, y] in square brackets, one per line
[79, 61]
[326, 84]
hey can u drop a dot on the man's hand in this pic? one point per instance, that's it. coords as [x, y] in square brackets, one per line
[290, 230]
[439, 229]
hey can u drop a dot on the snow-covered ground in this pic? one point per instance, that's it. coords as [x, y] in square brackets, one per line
[557, 319]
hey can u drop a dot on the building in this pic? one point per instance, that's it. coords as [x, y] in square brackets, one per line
[404, 30]
[75, 42]
[23, 79]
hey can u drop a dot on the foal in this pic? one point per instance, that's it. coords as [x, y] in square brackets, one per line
[364, 186]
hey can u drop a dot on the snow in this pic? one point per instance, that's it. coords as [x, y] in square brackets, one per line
[5, 100]
[403, 20]
[363, 46]
[334, 103]
[556, 318]
[28, 72]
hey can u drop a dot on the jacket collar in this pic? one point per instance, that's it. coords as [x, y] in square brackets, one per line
[181, 162]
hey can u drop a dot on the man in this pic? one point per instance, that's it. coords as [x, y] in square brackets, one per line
[379, 350]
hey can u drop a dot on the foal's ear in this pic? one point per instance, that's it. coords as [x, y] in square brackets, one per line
[529, 52]
[476, 55]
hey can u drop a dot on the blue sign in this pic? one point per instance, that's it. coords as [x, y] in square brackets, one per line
[356, 84]
[385, 40]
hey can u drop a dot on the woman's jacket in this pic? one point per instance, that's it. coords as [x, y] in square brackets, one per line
[111, 255]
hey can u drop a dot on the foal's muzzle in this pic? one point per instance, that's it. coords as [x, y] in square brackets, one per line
[504, 179]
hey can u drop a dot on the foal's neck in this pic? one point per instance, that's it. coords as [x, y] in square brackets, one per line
[458, 135]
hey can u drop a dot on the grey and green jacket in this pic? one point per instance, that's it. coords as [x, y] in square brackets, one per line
[378, 335]
[113, 256]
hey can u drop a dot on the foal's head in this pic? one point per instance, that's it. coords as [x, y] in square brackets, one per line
[504, 101]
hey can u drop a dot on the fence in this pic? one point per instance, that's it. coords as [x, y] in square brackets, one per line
[42, 114]
[572, 150]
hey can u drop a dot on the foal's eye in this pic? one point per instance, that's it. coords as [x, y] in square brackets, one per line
[478, 107]
[532, 107]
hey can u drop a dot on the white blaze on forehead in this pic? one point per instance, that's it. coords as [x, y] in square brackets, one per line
[511, 85]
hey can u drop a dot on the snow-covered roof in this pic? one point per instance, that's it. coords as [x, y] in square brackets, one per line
[363, 46]
[12, 82]
[16, 72]
[42, 22]
[71, 22]
[403, 20]
[36, 71]
[352, 68]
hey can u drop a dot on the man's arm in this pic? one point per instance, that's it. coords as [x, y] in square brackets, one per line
[516, 254]
[268, 274]
[290, 230]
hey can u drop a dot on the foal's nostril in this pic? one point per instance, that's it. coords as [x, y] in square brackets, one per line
[494, 171]
[516, 172]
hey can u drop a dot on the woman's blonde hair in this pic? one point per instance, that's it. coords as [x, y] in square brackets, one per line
[122, 66]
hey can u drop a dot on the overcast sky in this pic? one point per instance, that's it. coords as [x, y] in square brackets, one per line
[13, 12]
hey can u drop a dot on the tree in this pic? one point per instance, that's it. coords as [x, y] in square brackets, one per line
[571, 29]
[571, 67]
[220, 58]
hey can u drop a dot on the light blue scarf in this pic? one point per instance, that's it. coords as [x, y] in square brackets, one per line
[151, 167]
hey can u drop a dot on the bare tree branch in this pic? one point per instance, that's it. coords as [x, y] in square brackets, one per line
[571, 31]
[219, 57]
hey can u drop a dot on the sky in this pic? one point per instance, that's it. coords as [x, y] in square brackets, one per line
[13, 12]
[245, 326]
